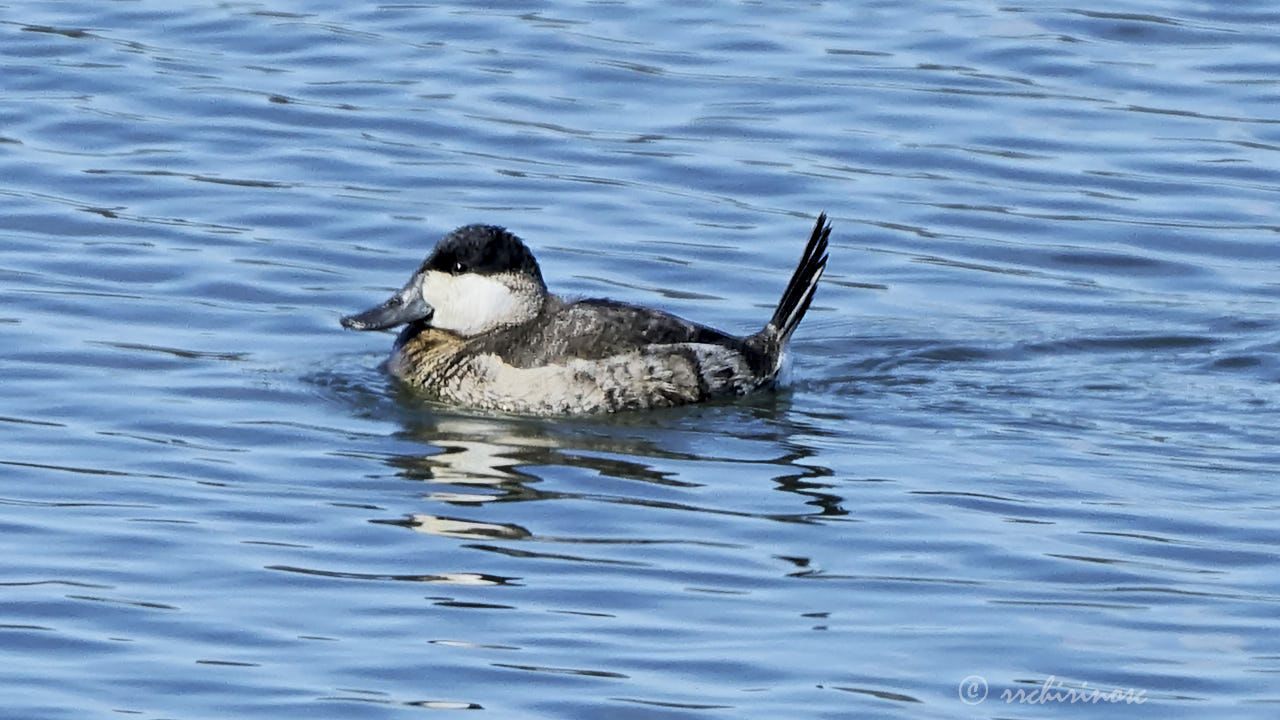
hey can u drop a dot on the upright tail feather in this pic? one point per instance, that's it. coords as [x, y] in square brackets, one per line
[799, 293]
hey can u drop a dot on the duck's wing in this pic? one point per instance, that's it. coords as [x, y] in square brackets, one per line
[608, 326]
[596, 329]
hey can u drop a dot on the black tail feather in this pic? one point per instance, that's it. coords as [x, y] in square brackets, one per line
[799, 293]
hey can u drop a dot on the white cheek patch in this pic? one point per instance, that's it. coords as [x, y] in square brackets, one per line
[468, 304]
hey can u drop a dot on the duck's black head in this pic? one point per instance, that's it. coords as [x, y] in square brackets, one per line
[483, 250]
[478, 278]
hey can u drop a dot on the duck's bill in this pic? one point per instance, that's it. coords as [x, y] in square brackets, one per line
[403, 307]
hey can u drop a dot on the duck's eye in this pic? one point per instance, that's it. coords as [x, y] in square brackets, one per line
[459, 267]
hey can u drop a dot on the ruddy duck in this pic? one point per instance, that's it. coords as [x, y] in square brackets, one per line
[483, 331]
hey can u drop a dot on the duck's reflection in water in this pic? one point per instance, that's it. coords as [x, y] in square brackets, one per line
[634, 461]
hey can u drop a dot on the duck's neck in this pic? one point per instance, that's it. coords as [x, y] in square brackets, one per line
[421, 351]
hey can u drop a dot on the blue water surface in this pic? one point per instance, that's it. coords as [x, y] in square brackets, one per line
[1028, 445]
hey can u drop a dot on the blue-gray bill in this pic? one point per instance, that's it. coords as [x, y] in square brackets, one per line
[400, 309]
